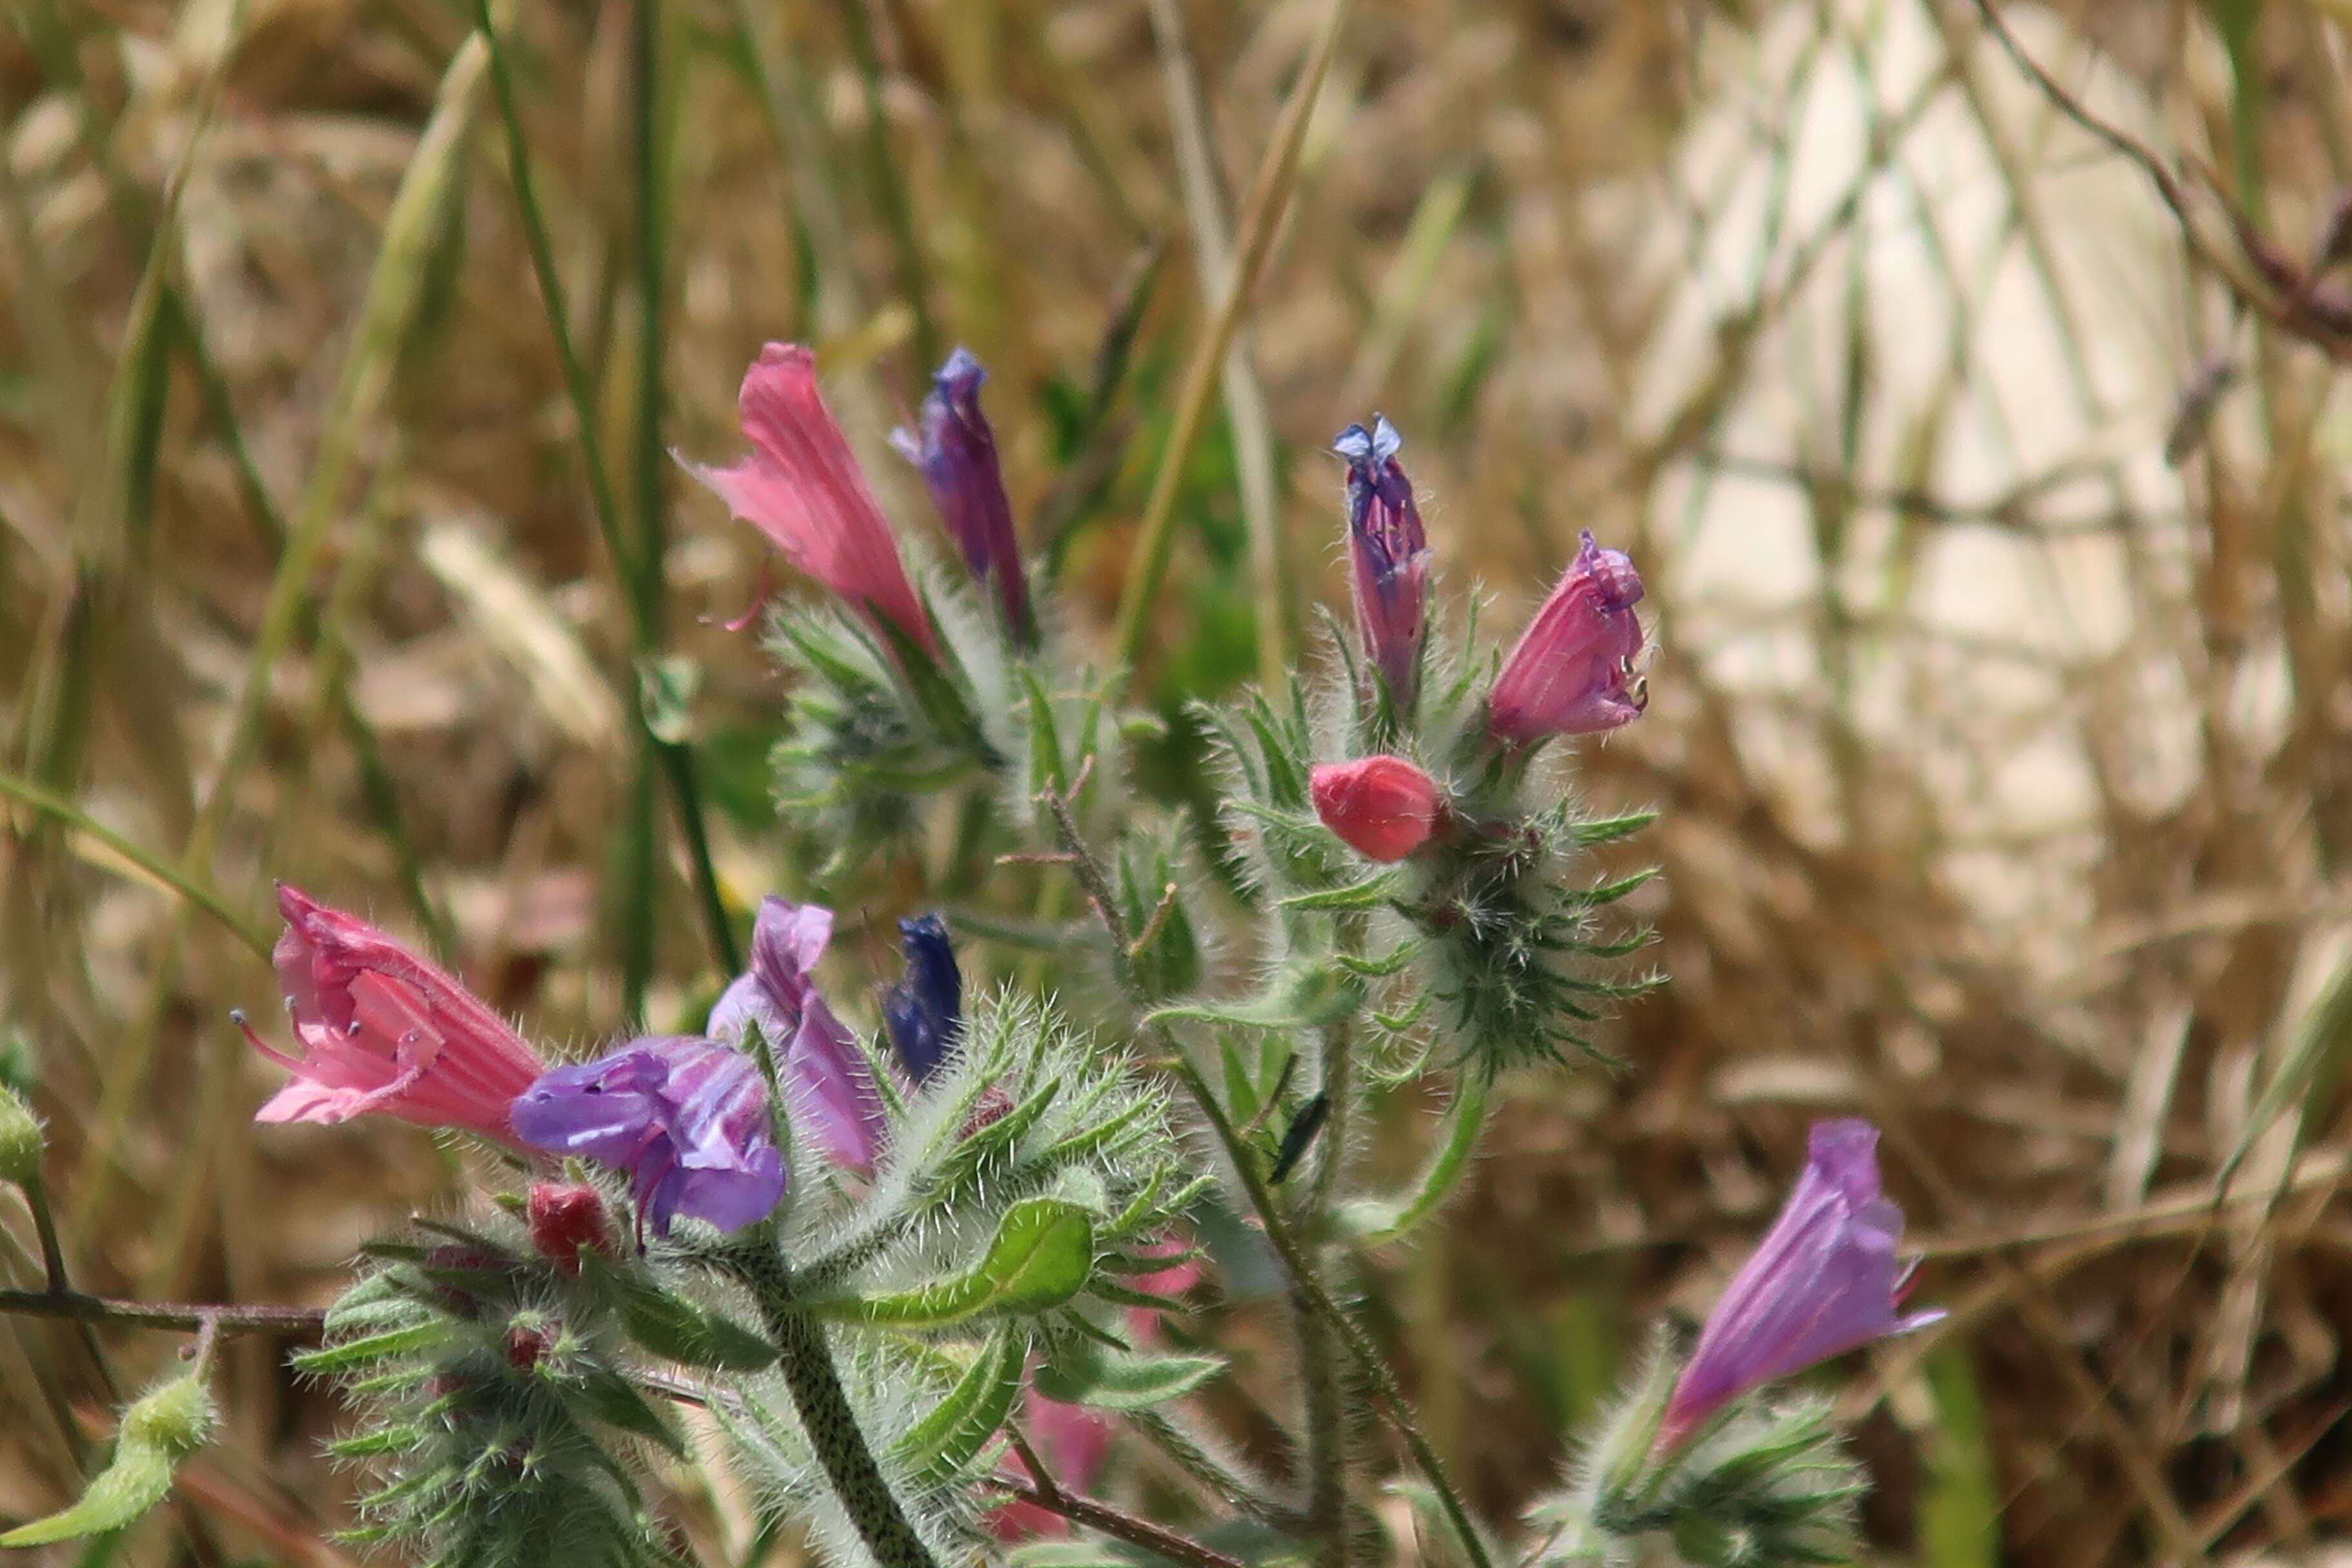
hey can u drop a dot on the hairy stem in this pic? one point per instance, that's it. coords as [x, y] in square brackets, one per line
[186, 1317]
[1318, 1351]
[1049, 1495]
[806, 1361]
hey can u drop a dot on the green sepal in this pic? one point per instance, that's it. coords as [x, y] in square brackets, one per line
[1372, 893]
[1608, 830]
[1042, 1255]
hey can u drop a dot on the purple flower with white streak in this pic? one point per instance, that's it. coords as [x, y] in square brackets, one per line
[1822, 1281]
[956, 450]
[686, 1117]
[1572, 670]
[1388, 554]
[828, 1087]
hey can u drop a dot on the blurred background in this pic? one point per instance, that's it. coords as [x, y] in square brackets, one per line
[1987, 472]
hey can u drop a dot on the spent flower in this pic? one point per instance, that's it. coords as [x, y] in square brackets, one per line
[382, 1030]
[1388, 554]
[924, 1011]
[956, 451]
[828, 1087]
[1571, 672]
[686, 1117]
[1382, 806]
[1823, 1280]
[801, 487]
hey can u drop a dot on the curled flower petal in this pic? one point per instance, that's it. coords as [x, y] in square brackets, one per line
[1823, 1280]
[828, 1087]
[1382, 806]
[1388, 554]
[801, 487]
[1572, 670]
[686, 1117]
[956, 451]
[382, 1030]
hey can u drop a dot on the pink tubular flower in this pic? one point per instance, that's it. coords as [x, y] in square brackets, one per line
[1571, 672]
[1388, 551]
[1382, 806]
[801, 487]
[1822, 1281]
[382, 1029]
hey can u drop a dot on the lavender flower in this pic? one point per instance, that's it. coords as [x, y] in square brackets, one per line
[827, 1084]
[925, 1010]
[1572, 670]
[686, 1117]
[1388, 551]
[956, 450]
[1822, 1281]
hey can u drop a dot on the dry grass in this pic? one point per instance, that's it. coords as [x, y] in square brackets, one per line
[2007, 770]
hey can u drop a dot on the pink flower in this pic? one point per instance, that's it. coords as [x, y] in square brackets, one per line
[1572, 670]
[382, 1030]
[1382, 806]
[801, 487]
[1822, 1281]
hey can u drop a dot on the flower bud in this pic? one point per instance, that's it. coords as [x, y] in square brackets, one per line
[1382, 807]
[20, 1140]
[564, 1217]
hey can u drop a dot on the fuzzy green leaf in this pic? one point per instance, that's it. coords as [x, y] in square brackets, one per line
[677, 1329]
[392, 1345]
[1372, 893]
[136, 1481]
[1042, 1253]
[1089, 1374]
[612, 1399]
[960, 1425]
[1610, 829]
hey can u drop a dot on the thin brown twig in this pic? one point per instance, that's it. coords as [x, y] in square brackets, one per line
[1048, 1494]
[184, 1317]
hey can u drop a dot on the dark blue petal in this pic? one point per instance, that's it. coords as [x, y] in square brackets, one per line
[925, 1010]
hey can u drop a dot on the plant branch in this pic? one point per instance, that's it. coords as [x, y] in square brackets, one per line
[184, 1317]
[1048, 1494]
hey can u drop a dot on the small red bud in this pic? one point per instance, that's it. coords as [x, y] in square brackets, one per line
[1382, 806]
[525, 1345]
[563, 1218]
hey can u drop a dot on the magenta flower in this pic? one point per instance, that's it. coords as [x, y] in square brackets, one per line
[1822, 1281]
[828, 1087]
[686, 1118]
[1572, 671]
[956, 451]
[1388, 554]
[801, 487]
[382, 1030]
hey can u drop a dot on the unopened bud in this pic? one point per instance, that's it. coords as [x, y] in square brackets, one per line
[173, 1419]
[1382, 807]
[21, 1142]
[525, 1343]
[563, 1218]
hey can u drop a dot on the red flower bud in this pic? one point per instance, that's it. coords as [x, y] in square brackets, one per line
[1382, 807]
[525, 1345]
[563, 1220]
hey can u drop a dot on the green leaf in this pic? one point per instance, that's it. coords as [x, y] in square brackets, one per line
[613, 1400]
[1372, 893]
[1610, 829]
[136, 1481]
[1089, 1374]
[1045, 769]
[1041, 1256]
[674, 1328]
[1374, 1221]
[390, 1345]
[1304, 995]
[960, 1425]
[1959, 1492]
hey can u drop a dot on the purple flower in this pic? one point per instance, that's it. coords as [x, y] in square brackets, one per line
[1571, 672]
[957, 453]
[1822, 1281]
[1389, 554]
[925, 1010]
[827, 1084]
[686, 1117]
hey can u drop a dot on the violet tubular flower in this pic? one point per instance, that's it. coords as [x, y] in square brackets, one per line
[828, 1087]
[1571, 672]
[1388, 552]
[382, 1030]
[956, 451]
[924, 1011]
[686, 1117]
[1822, 1281]
[801, 487]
